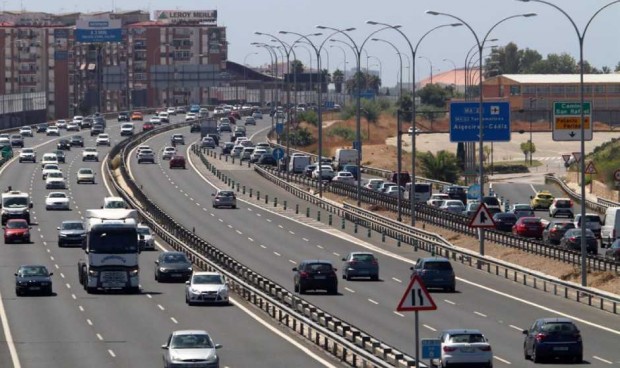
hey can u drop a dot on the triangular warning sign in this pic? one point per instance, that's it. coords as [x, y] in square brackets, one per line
[416, 297]
[482, 218]
[590, 169]
[566, 158]
[577, 156]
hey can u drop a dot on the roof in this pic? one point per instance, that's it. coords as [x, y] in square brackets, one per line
[560, 78]
[463, 331]
[190, 332]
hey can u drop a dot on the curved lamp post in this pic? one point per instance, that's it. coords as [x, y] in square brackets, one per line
[414, 51]
[480, 44]
[581, 35]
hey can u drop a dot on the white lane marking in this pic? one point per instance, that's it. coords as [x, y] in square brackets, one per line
[250, 239]
[281, 227]
[320, 246]
[277, 254]
[397, 280]
[430, 328]
[100, 337]
[57, 267]
[502, 360]
[51, 258]
[161, 307]
[68, 286]
[480, 314]
[349, 290]
[239, 232]
[293, 262]
[111, 352]
[449, 301]
[399, 314]
[533, 189]
[373, 301]
[62, 275]
[81, 308]
[336, 254]
[515, 327]
[291, 232]
[149, 296]
[304, 239]
[73, 297]
[90, 323]
[258, 214]
[6, 329]
[262, 246]
[230, 226]
[174, 320]
[602, 360]
[268, 220]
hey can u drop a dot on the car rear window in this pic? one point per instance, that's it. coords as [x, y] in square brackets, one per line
[318, 267]
[490, 201]
[545, 196]
[467, 338]
[562, 204]
[593, 218]
[531, 221]
[440, 266]
[560, 328]
[564, 225]
[363, 257]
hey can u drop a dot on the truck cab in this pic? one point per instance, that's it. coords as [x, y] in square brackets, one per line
[15, 205]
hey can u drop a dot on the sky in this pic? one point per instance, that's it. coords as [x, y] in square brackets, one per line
[548, 32]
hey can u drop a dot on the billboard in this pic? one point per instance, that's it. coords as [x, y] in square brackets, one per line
[187, 16]
[95, 30]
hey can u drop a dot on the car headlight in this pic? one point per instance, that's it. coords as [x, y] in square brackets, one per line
[92, 272]
[190, 268]
[161, 269]
[62, 235]
[194, 291]
[134, 272]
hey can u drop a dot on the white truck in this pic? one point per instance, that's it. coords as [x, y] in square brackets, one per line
[344, 156]
[298, 163]
[111, 251]
[15, 205]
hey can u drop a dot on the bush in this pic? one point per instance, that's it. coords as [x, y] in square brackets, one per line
[507, 169]
[309, 117]
[345, 133]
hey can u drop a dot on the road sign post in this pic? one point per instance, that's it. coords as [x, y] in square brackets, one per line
[415, 299]
[567, 121]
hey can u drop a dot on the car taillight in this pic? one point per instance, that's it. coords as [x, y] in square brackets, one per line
[572, 238]
[448, 349]
[554, 230]
[353, 261]
[540, 337]
[485, 348]
[570, 203]
[374, 262]
[303, 274]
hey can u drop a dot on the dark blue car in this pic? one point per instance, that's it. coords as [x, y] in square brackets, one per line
[436, 273]
[553, 338]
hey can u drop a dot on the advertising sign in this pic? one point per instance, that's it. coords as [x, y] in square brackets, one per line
[186, 16]
[96, 30]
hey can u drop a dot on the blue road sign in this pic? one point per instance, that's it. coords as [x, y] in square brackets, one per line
[279, 128]
[431, 348]
[473, 192]
[278, 153]
[465, 122]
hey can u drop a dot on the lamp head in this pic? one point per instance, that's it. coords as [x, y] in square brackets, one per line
[456, 24]
[349, 29]
[524, 1]
[432, 12]
[527, 15]
[316, 34]
[283, 32]
[320, 27]
[372, 22]
[375, 39]
[258, 33]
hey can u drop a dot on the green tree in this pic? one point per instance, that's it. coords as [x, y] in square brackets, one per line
[366, 82]
[556, 64]
[528, 148]
[617, 68]
[460, 155]
[433, 94]
[370, 110]
[405, 106]
[338, 78]
[528, 58]
[297, 67]
[442, 166]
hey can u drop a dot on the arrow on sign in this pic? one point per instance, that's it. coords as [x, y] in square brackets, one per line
[572, 134]
[416, 297]
[482, 218]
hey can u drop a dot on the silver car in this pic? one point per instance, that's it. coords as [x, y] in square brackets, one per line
[191, 348]
[224, 198]
[360, 264]
[206, 287]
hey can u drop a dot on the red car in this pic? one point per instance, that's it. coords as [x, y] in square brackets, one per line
[235, 115]
[177, 161]
[16, 230]
[147, 127]
[529, 227]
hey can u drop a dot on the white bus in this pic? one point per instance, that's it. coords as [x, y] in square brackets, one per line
[423, 191]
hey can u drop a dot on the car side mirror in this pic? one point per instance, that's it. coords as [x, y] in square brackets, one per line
[218, 346]
[15, 274]
[165, 347]
[58, 228]
[84, 246]
[295, 269]
[30, 205]
[156, 262]
[525, 332]
[531, 197]
[29, 227]
[411, 268]
[186, 282]
[335, 269]
[212, 194]
[344, 259]
[51, 274]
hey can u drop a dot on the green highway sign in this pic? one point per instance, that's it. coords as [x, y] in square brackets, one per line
[567, 121]
[570, 108]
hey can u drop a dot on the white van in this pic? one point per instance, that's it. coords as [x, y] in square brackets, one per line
[114, 203]
[297, 164]
[345, 156]
[610, 230]
[49, 158]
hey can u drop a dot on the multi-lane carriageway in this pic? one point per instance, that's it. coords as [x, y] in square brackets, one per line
[119, 329]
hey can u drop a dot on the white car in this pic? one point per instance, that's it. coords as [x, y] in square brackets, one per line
[452, 205]
[392, 190]
[127, 129]
[57, 201]
[78, 120]
[464, 346]
[85, 175]
[326, 172]
[61, 124]
[410, 131]
[141, 148]
[171, 111]
[257, 115]
[90, 154]
[49, 158]
[48, 168]
[52, 130]
[72, 126]
[190, 116]
[374, 184]
[344, 177]
[103, 140]
[164, 117]
[155, 120]
[168, 153]
[28, 154]
[25, 131]
[147, 241]
[258, 152]
[55, 180]
[437, 199]
[206, 287]
[236, 151]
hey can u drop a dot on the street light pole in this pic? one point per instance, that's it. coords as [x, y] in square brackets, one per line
[378, 63]
[581, 35]
[480, 106]
[272, 55]
[454, 66]
[413, 50]
[430, 63]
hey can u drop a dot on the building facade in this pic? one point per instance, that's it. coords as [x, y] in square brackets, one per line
[170, 60]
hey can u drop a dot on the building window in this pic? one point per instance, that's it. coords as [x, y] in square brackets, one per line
[614, 88]
[599, 88]
[542, 90]
[557, 90]
[571, 90]
[515, 90]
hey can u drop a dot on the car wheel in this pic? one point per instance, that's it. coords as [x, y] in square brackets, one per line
[347, 277]
[578, 358]
[535, 357]
[526, 356]
[296, 288]
[19, 292]
[333, 290]
[49, 291]
[157, 276]
[375, 278]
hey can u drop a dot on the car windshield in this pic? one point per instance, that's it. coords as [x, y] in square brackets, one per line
[174, 258]
[17, 225]
[118, 241]
[57, 195]
[15, 202]
[207, 279]
[33, 271]
[531, 221]
[86, 171]
[55, 175]
[440, 266]
[190, 342]
[467, 338]
[72, 226]
[143, 231]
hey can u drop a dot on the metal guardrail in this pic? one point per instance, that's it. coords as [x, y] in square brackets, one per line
[346, 342]
[568, 290]
[599, 207]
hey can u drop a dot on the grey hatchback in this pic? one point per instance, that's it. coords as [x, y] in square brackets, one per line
[224, 198]
[436, 272]
[360, 264]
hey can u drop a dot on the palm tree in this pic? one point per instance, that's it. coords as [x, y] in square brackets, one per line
[441, 167]
[338, 78]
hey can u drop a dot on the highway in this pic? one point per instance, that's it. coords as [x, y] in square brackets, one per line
[272, 244]
[73, 329]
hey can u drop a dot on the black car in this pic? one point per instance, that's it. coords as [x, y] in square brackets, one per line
[614, 251]
[457, 192]
[100, 120]
[41, 128]
[315, 275]
[33, 279]
[227, 148]
[172, 266]
[77, 140]
[555, 230]
[71, 232]
[308, 170]
[87, 122]
[96, 130]
[504, 221]
[572, 240]
[63, 144]
[267, 159]
[553, 338]
[123, 116]
[194, 128]
[61, 156]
